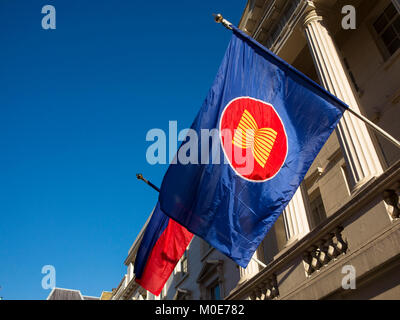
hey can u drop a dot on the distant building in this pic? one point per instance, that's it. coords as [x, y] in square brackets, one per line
[128, 289]
[68, 294]
[106, 295]
[339, 237]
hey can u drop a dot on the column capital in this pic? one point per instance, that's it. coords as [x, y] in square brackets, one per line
[310, 14]
[314, 12]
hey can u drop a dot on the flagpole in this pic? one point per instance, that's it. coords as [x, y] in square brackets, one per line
[220, 19]
[375, 127]
[262, 265]
[139, 176]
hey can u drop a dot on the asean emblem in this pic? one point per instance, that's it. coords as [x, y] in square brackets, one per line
[253, 138]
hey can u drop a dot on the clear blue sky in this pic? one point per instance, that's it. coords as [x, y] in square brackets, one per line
[75, 106]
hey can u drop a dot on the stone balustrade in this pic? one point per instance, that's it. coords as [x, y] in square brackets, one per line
[325, 250]
[265, 290]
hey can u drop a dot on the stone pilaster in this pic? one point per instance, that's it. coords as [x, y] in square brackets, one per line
[295, 217]
[250, 271]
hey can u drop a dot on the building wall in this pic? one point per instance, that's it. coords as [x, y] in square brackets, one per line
[377, 76]
[371, 236]
[383, 285]
[198, 253]
[378, 82]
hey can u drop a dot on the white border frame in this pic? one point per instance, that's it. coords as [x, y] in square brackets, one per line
[222, 146]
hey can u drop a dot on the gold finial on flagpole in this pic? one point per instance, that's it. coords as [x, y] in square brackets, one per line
[140, 177]
[218, 18]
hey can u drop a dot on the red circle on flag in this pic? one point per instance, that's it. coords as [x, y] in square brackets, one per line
[253, 138]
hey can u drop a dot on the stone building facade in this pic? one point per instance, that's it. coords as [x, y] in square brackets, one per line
[339, 237]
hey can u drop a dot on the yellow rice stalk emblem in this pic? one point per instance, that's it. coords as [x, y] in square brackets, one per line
[248, 135]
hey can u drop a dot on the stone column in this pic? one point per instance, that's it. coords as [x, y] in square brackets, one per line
[250, 271]
[359, 152]
[295, 217]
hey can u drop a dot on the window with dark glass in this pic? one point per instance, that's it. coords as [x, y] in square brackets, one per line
[318, 213]
[215, 292]
[387, 27]
[184, 264]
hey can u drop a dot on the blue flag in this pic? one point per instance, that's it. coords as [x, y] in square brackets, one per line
[272, 122]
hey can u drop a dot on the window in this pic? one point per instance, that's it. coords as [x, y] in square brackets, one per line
[387, 27]
[210, 280]
[215, 292]
[318, 213]
[182, 294]
[181, 267]
[184, 264]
